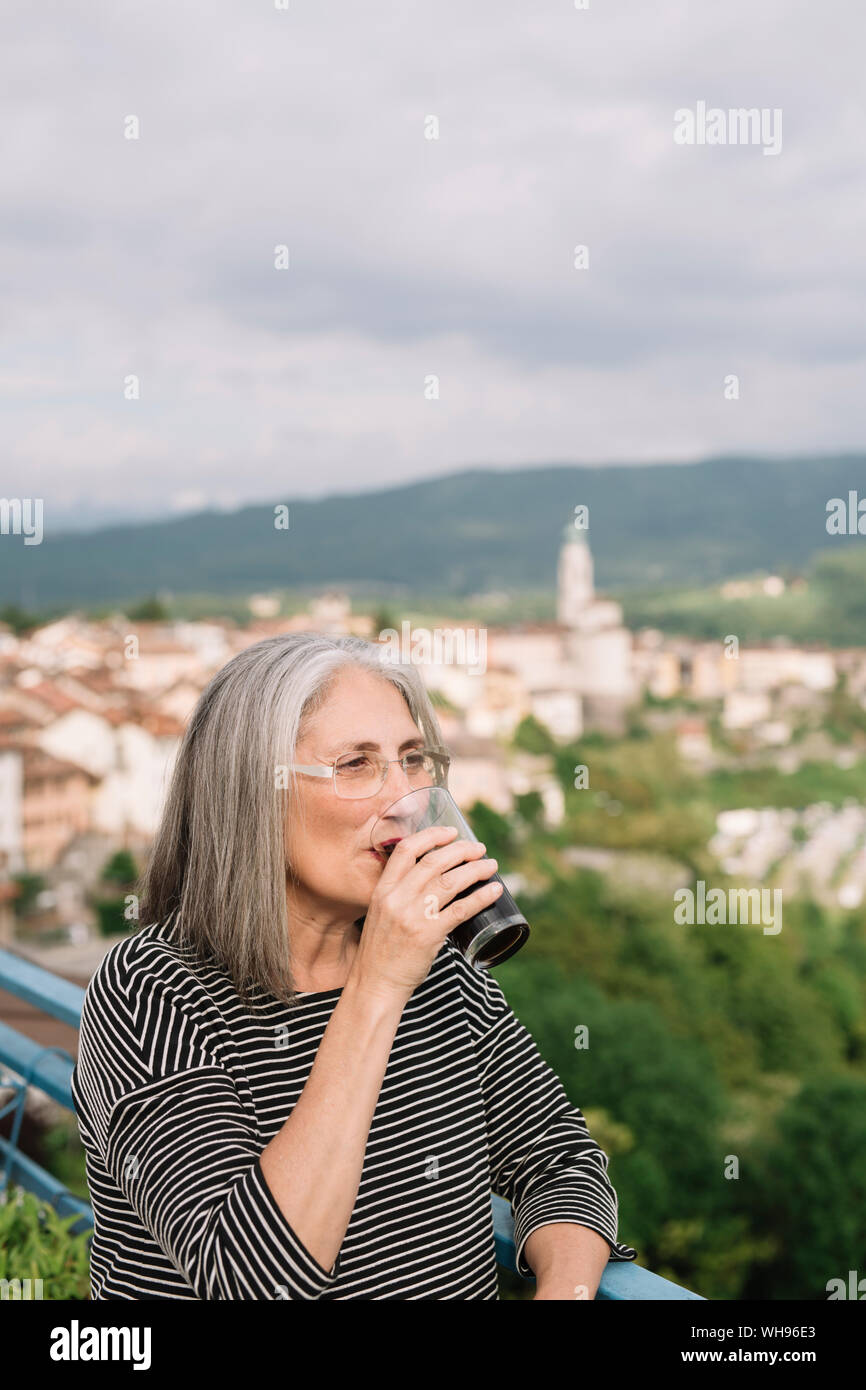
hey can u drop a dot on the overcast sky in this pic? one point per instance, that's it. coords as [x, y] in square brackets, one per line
[411, 257]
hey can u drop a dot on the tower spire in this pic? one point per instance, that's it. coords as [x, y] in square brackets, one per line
[575, 586]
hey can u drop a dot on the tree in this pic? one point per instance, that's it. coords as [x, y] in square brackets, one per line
[120, 868]
[809, 1183]
[533, 737]
[150, 610]
[632, 1067]
[29, 888]
[383, 620]
[18, 619]
[119, 876]
[530, 807]
[493, 829]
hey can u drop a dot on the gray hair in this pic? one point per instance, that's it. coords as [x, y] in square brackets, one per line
[218, 859]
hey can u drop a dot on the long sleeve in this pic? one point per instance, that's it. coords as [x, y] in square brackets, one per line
[152, 1088]
[542, 1158]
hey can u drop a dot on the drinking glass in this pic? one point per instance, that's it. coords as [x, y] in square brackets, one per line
[499, 929]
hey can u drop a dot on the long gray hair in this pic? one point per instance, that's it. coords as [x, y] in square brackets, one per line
[218, 859]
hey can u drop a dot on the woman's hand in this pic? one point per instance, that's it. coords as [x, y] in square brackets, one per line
[411, 911]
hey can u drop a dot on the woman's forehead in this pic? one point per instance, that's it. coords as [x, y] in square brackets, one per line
[367, 709]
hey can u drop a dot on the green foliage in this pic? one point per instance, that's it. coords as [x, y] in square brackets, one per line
[533, 737]
[830, 608]
[655, 1107]
[766, 786]
[513, 1288]
[441, 701]
[150, 610]
[110, 916]
[493, 830]
[120, 868]
[19, 619]
[36, 1243]
[639, 796]
[120, 872]
[715, 1257]
[61, 1153]
[839, 578]
[529, 806]
[844, 717]
[808, 1184]
[29, 888]
[384, 620]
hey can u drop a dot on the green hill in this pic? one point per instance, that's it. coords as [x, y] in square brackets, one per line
[650, 527]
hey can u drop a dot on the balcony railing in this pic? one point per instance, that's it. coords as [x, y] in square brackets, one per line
[50, 1069]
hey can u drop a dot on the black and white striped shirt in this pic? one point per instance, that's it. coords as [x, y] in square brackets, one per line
[178, 1091]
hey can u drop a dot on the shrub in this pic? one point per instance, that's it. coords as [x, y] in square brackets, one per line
[37, 1243]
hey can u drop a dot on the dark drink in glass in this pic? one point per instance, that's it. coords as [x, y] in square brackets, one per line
[494, 933]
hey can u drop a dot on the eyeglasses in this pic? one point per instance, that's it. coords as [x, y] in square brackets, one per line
[362, 774]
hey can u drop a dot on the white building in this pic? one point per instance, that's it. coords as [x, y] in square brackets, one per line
[560, 711]
[578, 670]
[597, 643]
[132, 764]
[765, 668]
[10, 808]
[478, 773]
[744, 708]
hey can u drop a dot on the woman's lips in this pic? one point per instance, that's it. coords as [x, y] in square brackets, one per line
[384, 853]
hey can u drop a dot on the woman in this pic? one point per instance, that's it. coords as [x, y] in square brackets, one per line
[291, 1084]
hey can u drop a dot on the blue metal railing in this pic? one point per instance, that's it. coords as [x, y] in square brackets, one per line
[50, 1068]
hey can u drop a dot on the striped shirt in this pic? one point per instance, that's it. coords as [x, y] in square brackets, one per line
[178, 1090]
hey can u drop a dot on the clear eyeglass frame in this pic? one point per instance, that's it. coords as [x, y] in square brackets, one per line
[441, 762]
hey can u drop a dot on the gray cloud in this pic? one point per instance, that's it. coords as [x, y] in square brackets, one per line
[412, 257]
